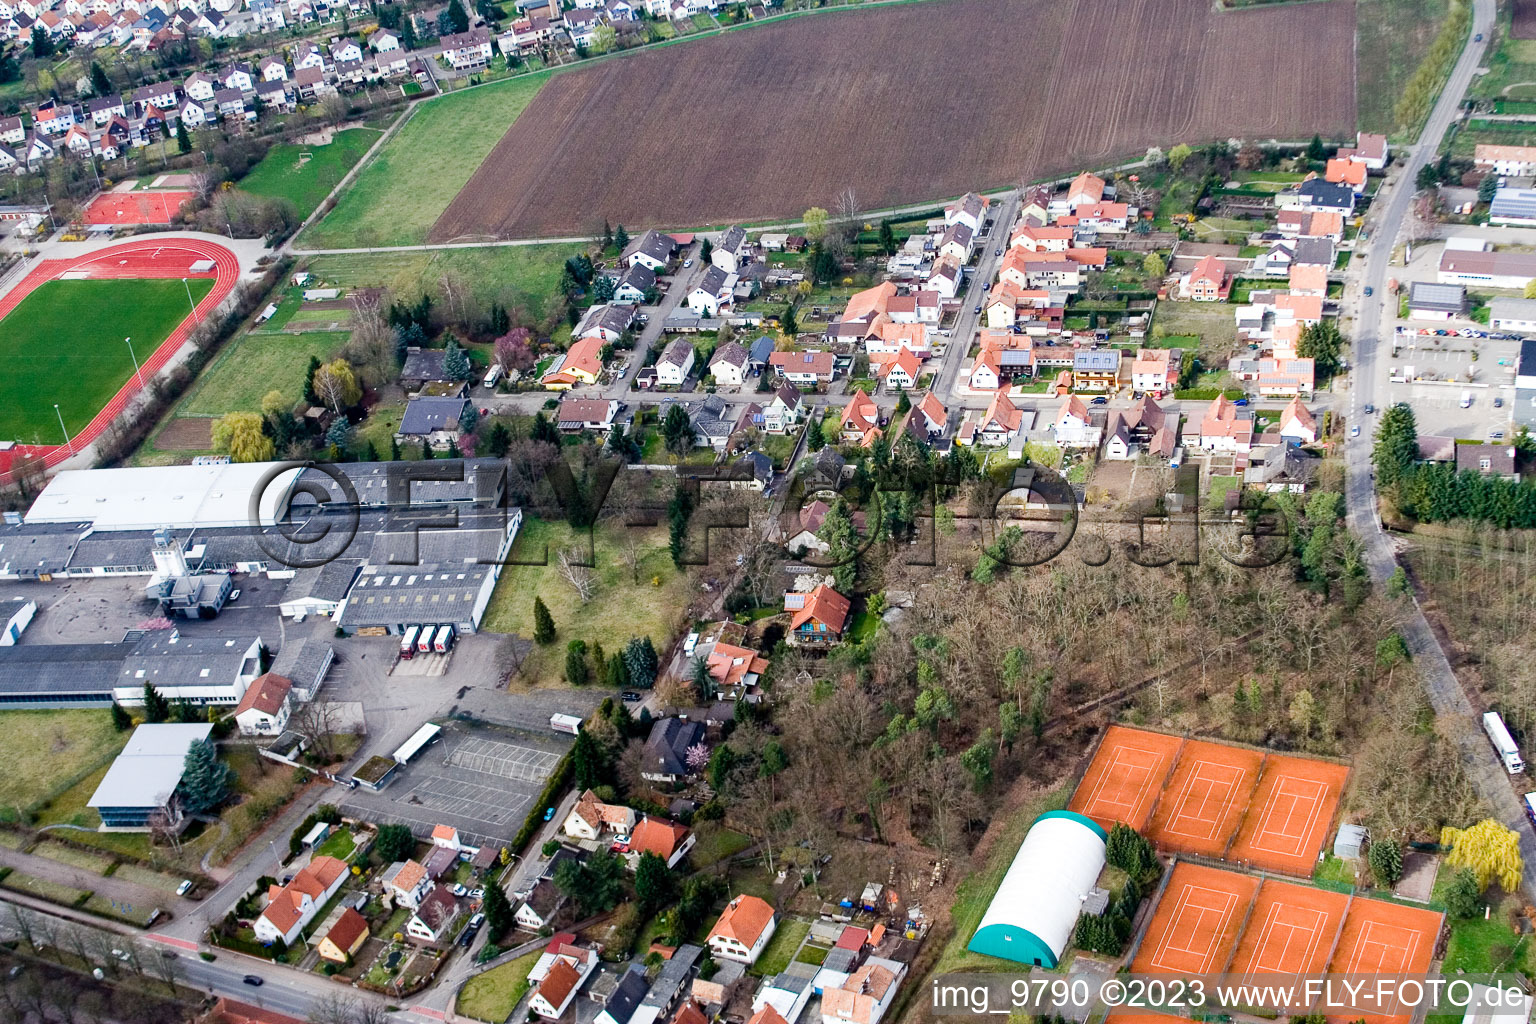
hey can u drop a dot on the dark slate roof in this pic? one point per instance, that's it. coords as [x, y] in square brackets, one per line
[424, 364]
[654, 244]
[667, 747]
[426, 414]
[673, 975]
[165, 658]
[39, 548]
[1327, 193]
[56, 670]
[733, 241]
[631, 989]
[761, 349]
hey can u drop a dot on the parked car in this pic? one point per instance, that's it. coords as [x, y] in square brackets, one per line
[1101, 400]
[1354, 431]
[255, 980]
[184, 888]
[459, 890]
[629, 697]
[687, 264]
[234, 595]
[998, 253]
[1241, 401]
[1369, 291]
[1498, 403]
[1477, 38]
[618, 847]
[689, 643]
[549, 812]
[477, 894]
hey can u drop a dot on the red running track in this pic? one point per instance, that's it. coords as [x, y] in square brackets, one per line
[120, 209]
[150, 258]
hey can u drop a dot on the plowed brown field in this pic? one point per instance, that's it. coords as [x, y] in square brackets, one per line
[905, 104]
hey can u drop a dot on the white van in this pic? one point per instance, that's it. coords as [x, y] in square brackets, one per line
[1503, 743]
[492, 376]
[1466, 399]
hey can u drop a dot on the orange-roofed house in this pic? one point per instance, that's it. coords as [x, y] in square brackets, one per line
[929, 416]
[735, 670]
[591, 818]
[864, 305]
[1000, 422]
[819, 617]
[743, 930]
[1096, 258]
[290, 908]
[1085, 189]
[1309, 281]
[1156, 370]
[1225, 427]
[666, 839]
[1370, 150]
[557, 989]
[264, 709]
[345, 937]
[406, 882]
[1304, 309]
[1297, 424]
[581, 365]
[865, 996]
[1110, 217]
[1042, 239]
[1072, 423]
[1346, 172]
[1207, 281]
[901, 370]
[446, 836]
[861, 420]
[767, 1015]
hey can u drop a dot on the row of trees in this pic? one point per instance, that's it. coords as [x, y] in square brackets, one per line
[1438, 492]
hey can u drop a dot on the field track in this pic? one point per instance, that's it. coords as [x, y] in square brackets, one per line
[904, 104]
[158, 258]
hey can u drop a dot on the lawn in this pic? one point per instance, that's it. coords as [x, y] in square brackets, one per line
[130, 872]
[523, 276]
[974, 894]
[44, 889]
[619, 609]
[1219, 486]
[1195, 319]
[64, 345]
[781, 948]
[1392, 37]
[338, 844]
[50, 751]
[398, 196]
[715, 844]
[84, 859]
[253, 365]
[493, 995]
[864, 627]
[305, 175]
[136, 914]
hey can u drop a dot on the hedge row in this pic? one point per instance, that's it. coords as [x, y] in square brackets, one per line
[557, 782]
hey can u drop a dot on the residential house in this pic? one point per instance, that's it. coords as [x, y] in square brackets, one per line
[1000, 422]
[805, 369]
[591, 819]
[1505, 161]
[819, 617]
[467, 51]
[1207, 281]
[620, 1006]
[866, 995]
[713, 294]
[607, 321]
[902, 370]
[406, 883]
[192, 114]
[291, 907]
[675, 363]
[733, 252]
[12, 131]
[581, 364]
[743, 930]
[929, 417]
[384, 41]
[586, 414]
[275, 95]
[344, 51]
[435, 421]
[957, 243]
[1155, 371]
[101, 110]
[713, 423]
[735, 670]
[561, 982]
[311, 83]
[1144, 428]
[1297, 424]
[434, 916]
[199, 86]
[1225, 427]
[53, 118]
[540, 906]
[1096, 369]
[265, 707]
[1038, 238]
[860, 422]
[1108, 218]
[1085, 190]
[729, 365]
[1370, 150]
[1488, 460]
[231, 103]
[636, 285]
[1318, 194]
[1275, 261]
[1346, 172]
[241, 75]
[785, 409]
[970, 210]
[666, 839]
[1072, 426]
[666, 750]
[652, 249]
[344, 937]
[1310, 281]
[581, 24]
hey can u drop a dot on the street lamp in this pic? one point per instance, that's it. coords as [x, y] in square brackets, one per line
[139, 376]
[190, 304]
[67, 442]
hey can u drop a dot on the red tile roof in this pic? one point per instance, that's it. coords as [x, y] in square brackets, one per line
[747, 916]
[826, 606]
[265, 694]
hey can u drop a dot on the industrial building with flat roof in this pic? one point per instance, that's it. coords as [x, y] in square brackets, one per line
[140, 789]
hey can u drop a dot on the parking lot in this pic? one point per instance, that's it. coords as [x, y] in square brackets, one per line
[480, 780]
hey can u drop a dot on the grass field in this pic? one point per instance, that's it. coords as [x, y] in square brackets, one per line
[255, 364]
[44, 889]
[781, 948]
[618, 610]
[129, 872]
[1393, 36]
[95, 863]
[493, 996]
[50, 751]
[64, 344]
[398, 196]
[516, 276]
[305, 175]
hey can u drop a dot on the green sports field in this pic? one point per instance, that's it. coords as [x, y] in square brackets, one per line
[64, 344]
[397, 198]
[305, 175]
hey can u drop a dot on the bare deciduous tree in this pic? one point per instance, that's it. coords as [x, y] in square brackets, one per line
[578, 576]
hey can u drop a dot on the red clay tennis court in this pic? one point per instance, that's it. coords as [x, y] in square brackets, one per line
[1290, 931]
[1204, 802]
[1127, 773]
[1290, 814]
[1384, 938]
[128, 208]
[1196, 921]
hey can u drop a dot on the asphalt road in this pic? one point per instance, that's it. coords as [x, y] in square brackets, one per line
[967, 322]
[1450, 701]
